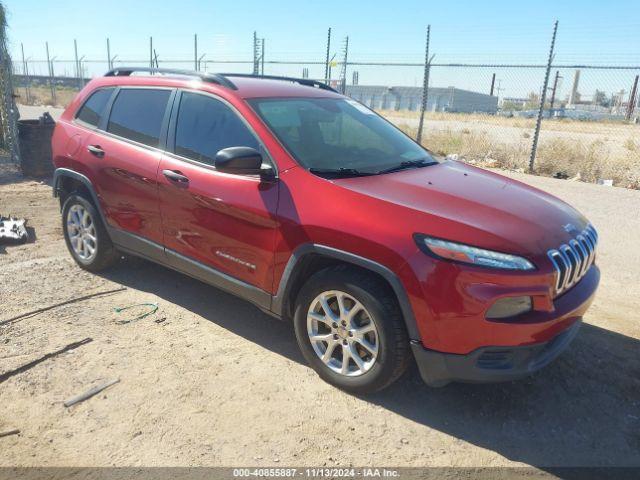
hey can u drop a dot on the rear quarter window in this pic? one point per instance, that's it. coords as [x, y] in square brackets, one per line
[137, 114]
[93, 108]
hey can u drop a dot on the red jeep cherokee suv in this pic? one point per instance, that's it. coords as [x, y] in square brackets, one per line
[316, 209]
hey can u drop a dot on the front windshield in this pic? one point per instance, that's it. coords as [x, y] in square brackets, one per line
[329, 134]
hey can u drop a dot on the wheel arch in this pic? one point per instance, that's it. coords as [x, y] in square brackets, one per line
[313, 257]
[66, 181]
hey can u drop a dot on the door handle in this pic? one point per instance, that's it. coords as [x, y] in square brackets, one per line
[175, 176]
[96, 150]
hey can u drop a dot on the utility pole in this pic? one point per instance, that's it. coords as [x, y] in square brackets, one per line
[262, 56]
[327, 69]
[543, 98]
[632, 99]
[150, 52]
[425, 86]
[493, 82]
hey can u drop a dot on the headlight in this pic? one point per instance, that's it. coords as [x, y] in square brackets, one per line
[475, 256]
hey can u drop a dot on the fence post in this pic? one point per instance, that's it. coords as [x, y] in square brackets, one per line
[343, 73]
[326, 63]
[543, 98]
[108, 55]
[75, 53]
[52, 86]
[195, 52]
[25, 73]
[255, 53]
[632, 99]
[425, 87]
[53, 76]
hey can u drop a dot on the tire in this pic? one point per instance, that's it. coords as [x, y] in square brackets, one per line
[379, 306]
[99, 252]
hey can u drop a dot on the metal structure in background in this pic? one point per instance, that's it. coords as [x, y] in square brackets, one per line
[327, 69]
[543, 98]
[8, 110]
[256, 54]
[478, 89]
[343, 68]
[425, 87]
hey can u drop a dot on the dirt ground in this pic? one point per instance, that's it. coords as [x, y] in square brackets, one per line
[217, 382]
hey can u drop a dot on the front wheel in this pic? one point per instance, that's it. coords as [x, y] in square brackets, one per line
[350, 329]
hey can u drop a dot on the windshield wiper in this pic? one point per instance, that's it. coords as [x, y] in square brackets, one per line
[408, 164]
[339, 172]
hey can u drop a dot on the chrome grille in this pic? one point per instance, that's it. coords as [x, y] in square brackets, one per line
[572, 259]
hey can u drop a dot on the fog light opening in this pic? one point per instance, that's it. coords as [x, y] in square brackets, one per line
[509, 307]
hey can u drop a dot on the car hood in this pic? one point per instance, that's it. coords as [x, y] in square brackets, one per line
[471, 205]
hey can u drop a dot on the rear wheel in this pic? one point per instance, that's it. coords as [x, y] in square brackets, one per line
[350, 330]
[85, 235]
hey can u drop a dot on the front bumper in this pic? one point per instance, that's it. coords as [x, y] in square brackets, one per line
[490, 364]
[537, 339]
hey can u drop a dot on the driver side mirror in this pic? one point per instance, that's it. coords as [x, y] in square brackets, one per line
[241, 160]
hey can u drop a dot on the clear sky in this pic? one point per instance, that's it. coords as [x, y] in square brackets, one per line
[590, 31]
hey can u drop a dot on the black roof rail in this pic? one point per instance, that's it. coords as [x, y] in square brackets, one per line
[206, 77]
[302, 81]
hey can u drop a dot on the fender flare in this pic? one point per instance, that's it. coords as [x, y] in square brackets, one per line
[60, 173]
[287, 280]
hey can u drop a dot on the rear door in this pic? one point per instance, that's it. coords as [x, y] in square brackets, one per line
[127, 149]
[219, 220]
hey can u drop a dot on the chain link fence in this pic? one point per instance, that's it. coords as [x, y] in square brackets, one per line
[482, 113]
[9, 149]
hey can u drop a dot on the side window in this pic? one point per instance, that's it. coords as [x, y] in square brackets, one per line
[137, 114]
[93, 108]
[205, 126]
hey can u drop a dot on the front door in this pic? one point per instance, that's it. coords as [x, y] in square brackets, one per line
[222, 221]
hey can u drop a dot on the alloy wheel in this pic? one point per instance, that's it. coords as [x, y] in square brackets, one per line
[82, 233]
[342, 333]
